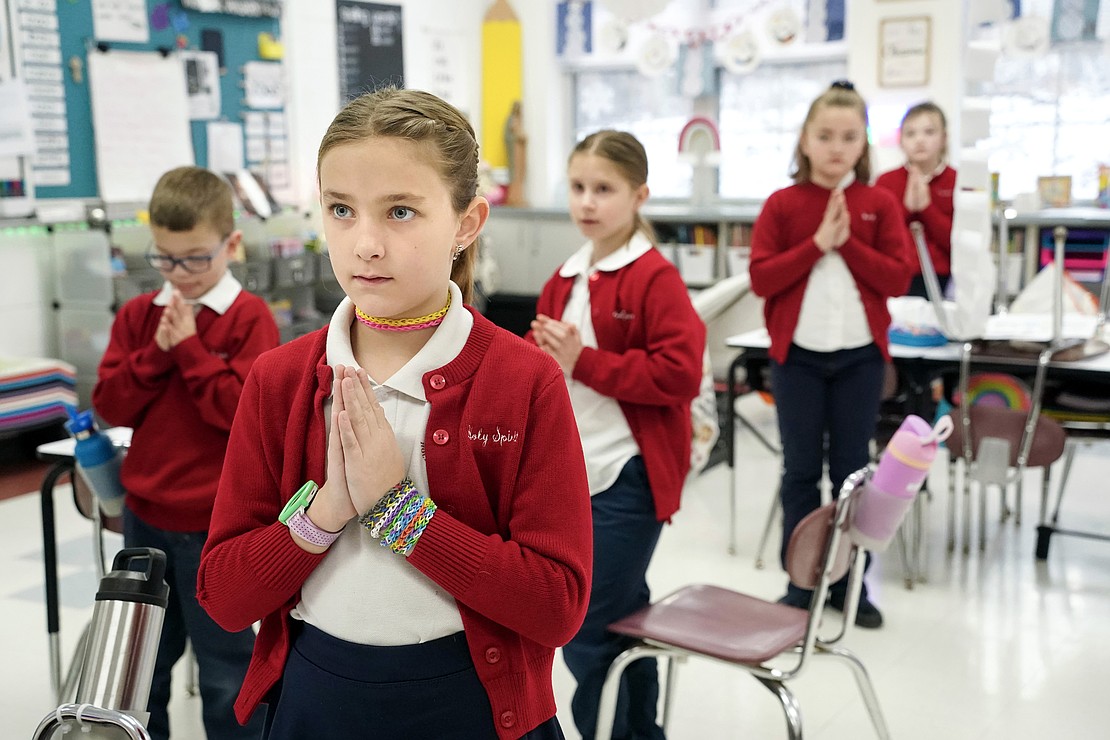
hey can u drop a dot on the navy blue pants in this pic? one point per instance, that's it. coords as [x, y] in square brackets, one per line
[625, 534]
[828, 408]
[334, 689]
[222, 657]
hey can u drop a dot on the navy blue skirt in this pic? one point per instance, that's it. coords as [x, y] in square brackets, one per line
[332, 688]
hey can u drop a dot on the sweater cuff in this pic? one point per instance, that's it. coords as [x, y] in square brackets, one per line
[152, 362]
[584, 368]
[277, 560]
[452, 551]
[189, 352]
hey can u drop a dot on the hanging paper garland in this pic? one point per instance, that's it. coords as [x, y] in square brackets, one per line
[784, 25]
[655, 55]
[1026, 36]
[612, 36]
[739, 54]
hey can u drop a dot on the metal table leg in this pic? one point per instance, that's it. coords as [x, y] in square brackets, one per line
[50, 566]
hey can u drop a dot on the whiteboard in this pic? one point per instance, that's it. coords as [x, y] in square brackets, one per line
[140, 116]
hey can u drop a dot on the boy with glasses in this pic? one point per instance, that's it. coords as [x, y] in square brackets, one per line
[173, 370]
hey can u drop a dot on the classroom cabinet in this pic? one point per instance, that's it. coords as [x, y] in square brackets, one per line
[528, 245]
[706, 244]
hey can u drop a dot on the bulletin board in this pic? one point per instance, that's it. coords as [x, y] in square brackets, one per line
[172, 29]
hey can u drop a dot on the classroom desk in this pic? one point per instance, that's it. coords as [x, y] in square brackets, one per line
[60, 453]
[917, 361]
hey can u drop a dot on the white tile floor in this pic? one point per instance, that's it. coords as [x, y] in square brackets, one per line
[994, 646]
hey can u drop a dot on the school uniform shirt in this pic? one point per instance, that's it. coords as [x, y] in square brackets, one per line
[607, 439]
[936, 219]
[649, 357]
[511, 541]
[359, 569]
[784, 255]
[180, 403]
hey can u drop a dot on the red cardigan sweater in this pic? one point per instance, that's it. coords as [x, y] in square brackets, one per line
[651, 345]
[783, 253]
[180, 403]
[936, 219]
[511, 540]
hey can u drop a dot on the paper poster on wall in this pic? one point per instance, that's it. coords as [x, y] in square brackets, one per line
[263, 85]
[904, 51]
[140, 114]
[16, 136]
[120, 20]
[225, 146]
[244, 8]
[202, 82]
[446, 51]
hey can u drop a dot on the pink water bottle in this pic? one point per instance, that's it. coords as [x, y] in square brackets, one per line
[883, 501]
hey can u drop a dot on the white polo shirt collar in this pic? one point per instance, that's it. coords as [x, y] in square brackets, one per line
[218, 298]
[579, 262]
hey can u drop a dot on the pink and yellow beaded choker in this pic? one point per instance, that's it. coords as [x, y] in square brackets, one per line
[420, 322]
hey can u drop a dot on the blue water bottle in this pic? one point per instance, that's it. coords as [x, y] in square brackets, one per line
[98, 461]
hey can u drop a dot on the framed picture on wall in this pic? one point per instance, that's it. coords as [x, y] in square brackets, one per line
[904, 51]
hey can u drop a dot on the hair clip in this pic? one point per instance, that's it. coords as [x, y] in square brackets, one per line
[842, 85]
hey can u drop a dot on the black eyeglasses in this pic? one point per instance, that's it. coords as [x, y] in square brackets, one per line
[193, 264]
[842, 85]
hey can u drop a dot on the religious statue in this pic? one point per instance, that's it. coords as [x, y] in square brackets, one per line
[516, 149]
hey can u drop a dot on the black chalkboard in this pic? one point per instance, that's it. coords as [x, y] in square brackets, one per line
[369, 47]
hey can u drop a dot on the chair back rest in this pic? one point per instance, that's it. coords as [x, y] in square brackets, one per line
[1009, 424]
[84, 500]
[806, 553]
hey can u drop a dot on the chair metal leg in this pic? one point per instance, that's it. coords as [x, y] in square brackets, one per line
[772, 516]
[67, 690]
[1046, 489]
[1018, 496]
[790, 706]
[904, 553]
[607, 705]
[673, 662]
[866, 688]
[732, 508]
[1069, 457]
[952, 503]
[920, 546]
[911, 543]
[190, 670]
[967, 508]
[983, 513]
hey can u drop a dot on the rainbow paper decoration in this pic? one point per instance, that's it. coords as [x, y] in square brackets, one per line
[999, 389]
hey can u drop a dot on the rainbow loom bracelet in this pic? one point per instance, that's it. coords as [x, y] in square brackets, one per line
[386, 507]
[404, 544]
[400, 517]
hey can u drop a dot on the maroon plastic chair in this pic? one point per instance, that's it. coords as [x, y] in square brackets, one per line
[994, 446]
[751, 633]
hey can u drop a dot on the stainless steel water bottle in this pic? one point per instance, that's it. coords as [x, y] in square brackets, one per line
[123, 637]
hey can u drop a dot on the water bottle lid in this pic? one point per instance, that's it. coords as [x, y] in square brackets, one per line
[126, 583]
[79, 421]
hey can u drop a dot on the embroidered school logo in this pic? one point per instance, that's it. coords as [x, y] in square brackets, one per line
[498, 436]
[222, 355]
[623, 315]
[868, 216]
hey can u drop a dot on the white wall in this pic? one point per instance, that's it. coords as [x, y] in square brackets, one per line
[310, 39]
[945, 86]
[309, 34]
